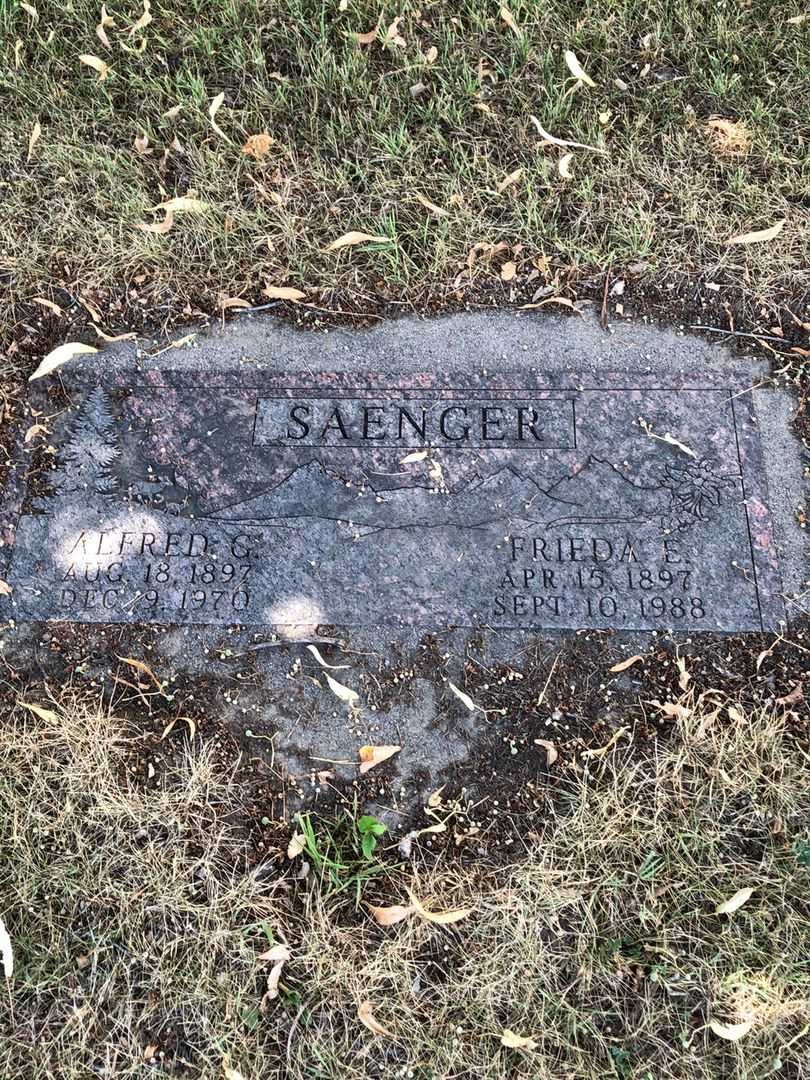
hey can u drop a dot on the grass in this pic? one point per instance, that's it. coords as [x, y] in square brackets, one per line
[361, 133]
[137, 929]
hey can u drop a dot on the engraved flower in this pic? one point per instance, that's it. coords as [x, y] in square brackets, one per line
[696, 490]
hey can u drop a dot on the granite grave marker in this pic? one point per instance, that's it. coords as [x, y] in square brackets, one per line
[523, 499]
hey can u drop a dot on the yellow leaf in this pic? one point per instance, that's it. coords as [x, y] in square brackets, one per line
[256, 146]
[758, 237]
[283, 292]
[509, 19]
[144, 20]
[508, 271]
[48, 715]
[213, 109]
[345, 693]
[432, 55]
[623, 665]
[114, 337]
[735, 715]
[60, 355]
[29, 9]
[171, 113]
[728, 907]
[576, 68]
[278, 954]
[96, 64]
[564, 166]
[517, 1042]
[33, 138]
[563, 300]
[296, 845]
[332, 667]
[410, 459]
[388, 916]
[550, 749]
[5, 588]
[509, 180]
[441, 918]
[33, 431]
[428, 205]
[233, 302]
[101, 30]
[549, 138]
[181, 204]
[365, 1014]
[731, 1032]
[158, 226]
[349, 239]
[372, 756]
[683, 675]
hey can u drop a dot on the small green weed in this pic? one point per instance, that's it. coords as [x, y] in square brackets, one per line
[342, 850]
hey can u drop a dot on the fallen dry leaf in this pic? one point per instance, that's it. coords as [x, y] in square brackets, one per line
[795, 696]
[600, 751]
[465, 699]
[5, 588]
[229, 1073]
[683, 675]
[233, 302]
[283, 292]
[181, 204]
[623, 665]
[257, 146]
[517, 1042]
[276, 954]
[735, 714]
[392, 34]
[509, 180]
[508, 271]
[140, 145]
[101, 30]
[33, 139]
[731, 1032]
[562, 142]
[345, 693]
[431, 206]
[29, 9]
[365, 1014]
[332, 667]
[441, 918]
[144, 21]
[349, 239]
[728, 907]
[372, 756]
[576, 68]
[551, 750]
[192, 727]
[666, 438]
[796, 20]
[369, 37]
[33, 431]
[139, 665]
[49, 304]
[672, 708]
[562, 300]
[128, 336]
[60, 355]
[213, 109]
[564, 166]
[389, 916]
[171, 113]
[6, 951]
[410, 459]
[157, 226]
[48, 715]
[296, 845]
[760, 236]
[432, 55]
[509, 19]
[96, 64]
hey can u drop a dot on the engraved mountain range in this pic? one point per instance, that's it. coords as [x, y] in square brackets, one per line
[597, 492]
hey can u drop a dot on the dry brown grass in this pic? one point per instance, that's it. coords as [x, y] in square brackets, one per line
[137, 932]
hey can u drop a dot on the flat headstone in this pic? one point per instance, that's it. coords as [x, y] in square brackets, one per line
[494, 472]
